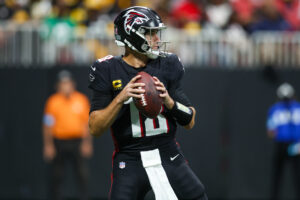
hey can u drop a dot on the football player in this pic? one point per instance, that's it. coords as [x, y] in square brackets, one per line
[146, 153]
[283, 126]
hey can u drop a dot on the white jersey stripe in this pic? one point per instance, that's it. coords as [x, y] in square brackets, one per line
[135, 121]
[157, 175]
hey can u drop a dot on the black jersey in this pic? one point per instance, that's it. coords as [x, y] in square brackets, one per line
[132, 131]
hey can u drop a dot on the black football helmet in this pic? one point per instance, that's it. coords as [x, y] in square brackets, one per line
[131, 26]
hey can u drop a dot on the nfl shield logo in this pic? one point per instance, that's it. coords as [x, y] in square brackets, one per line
[122, 165]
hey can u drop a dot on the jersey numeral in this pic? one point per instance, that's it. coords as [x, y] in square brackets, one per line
[149, 127]
[105, 58]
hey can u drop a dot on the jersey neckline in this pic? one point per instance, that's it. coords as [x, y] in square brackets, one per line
[133, 69]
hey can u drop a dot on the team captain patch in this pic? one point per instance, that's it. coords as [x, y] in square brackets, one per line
[117, 84]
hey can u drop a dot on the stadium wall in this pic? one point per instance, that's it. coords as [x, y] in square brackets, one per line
[228, 147]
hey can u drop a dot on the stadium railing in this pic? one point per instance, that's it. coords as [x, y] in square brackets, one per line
[27, 46]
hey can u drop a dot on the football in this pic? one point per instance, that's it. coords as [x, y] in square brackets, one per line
[150, 103]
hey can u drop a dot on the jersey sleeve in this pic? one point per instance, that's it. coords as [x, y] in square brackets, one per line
[100, 84]
[271, 125]
[99, 77]
[49, 113]
[175, 89]
[99, 100]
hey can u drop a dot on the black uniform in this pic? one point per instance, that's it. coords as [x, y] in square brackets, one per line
[132, 132]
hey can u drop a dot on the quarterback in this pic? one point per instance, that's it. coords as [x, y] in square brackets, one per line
[147, 156]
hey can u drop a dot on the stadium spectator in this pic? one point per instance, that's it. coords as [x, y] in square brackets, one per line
[290, 10]
[76, 31]
[243, 12]
[218, 13]
[65, 133]
[5, 11]
[15, 11]
[40, 10]
[244, 9]
[185, 13]
[283, 126]
[269, 19]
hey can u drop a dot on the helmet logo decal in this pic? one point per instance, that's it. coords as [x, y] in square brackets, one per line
[133, 17]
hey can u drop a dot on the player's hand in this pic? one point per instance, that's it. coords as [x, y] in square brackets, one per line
[49, 152]
[167, 100]
[132, 89]
[272, 134]
[86, 149]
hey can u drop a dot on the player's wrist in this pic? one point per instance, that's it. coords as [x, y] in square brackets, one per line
[120, 99]
[169, 103]
[182, 114]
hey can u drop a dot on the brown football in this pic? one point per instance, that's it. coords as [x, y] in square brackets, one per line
[150, 103]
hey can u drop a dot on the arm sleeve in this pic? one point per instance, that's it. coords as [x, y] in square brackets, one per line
[48, 118]
[175, 89]
[271, 125]
[99, 100]
[99, 77]
[178, 95]
[100, 84]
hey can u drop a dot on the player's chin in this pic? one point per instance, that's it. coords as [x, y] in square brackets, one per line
[155, 48]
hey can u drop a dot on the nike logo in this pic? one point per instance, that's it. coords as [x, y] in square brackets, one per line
[173, 158]
[93, 68]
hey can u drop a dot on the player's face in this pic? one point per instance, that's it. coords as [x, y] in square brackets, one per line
[66, 87]
[153, 39]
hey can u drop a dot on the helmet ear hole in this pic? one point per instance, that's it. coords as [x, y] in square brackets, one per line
[145, 47]
[142, 30]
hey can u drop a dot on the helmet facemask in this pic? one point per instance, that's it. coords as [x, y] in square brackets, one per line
[154, 47]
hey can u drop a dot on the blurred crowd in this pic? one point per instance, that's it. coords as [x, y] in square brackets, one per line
[92, 20]
[250, 15]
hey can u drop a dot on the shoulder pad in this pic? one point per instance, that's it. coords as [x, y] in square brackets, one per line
[172, 67]
[99, 75]
[102, 63]
[174, 60]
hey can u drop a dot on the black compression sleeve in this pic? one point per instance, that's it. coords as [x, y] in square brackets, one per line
[177, 93]
[181, 97]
